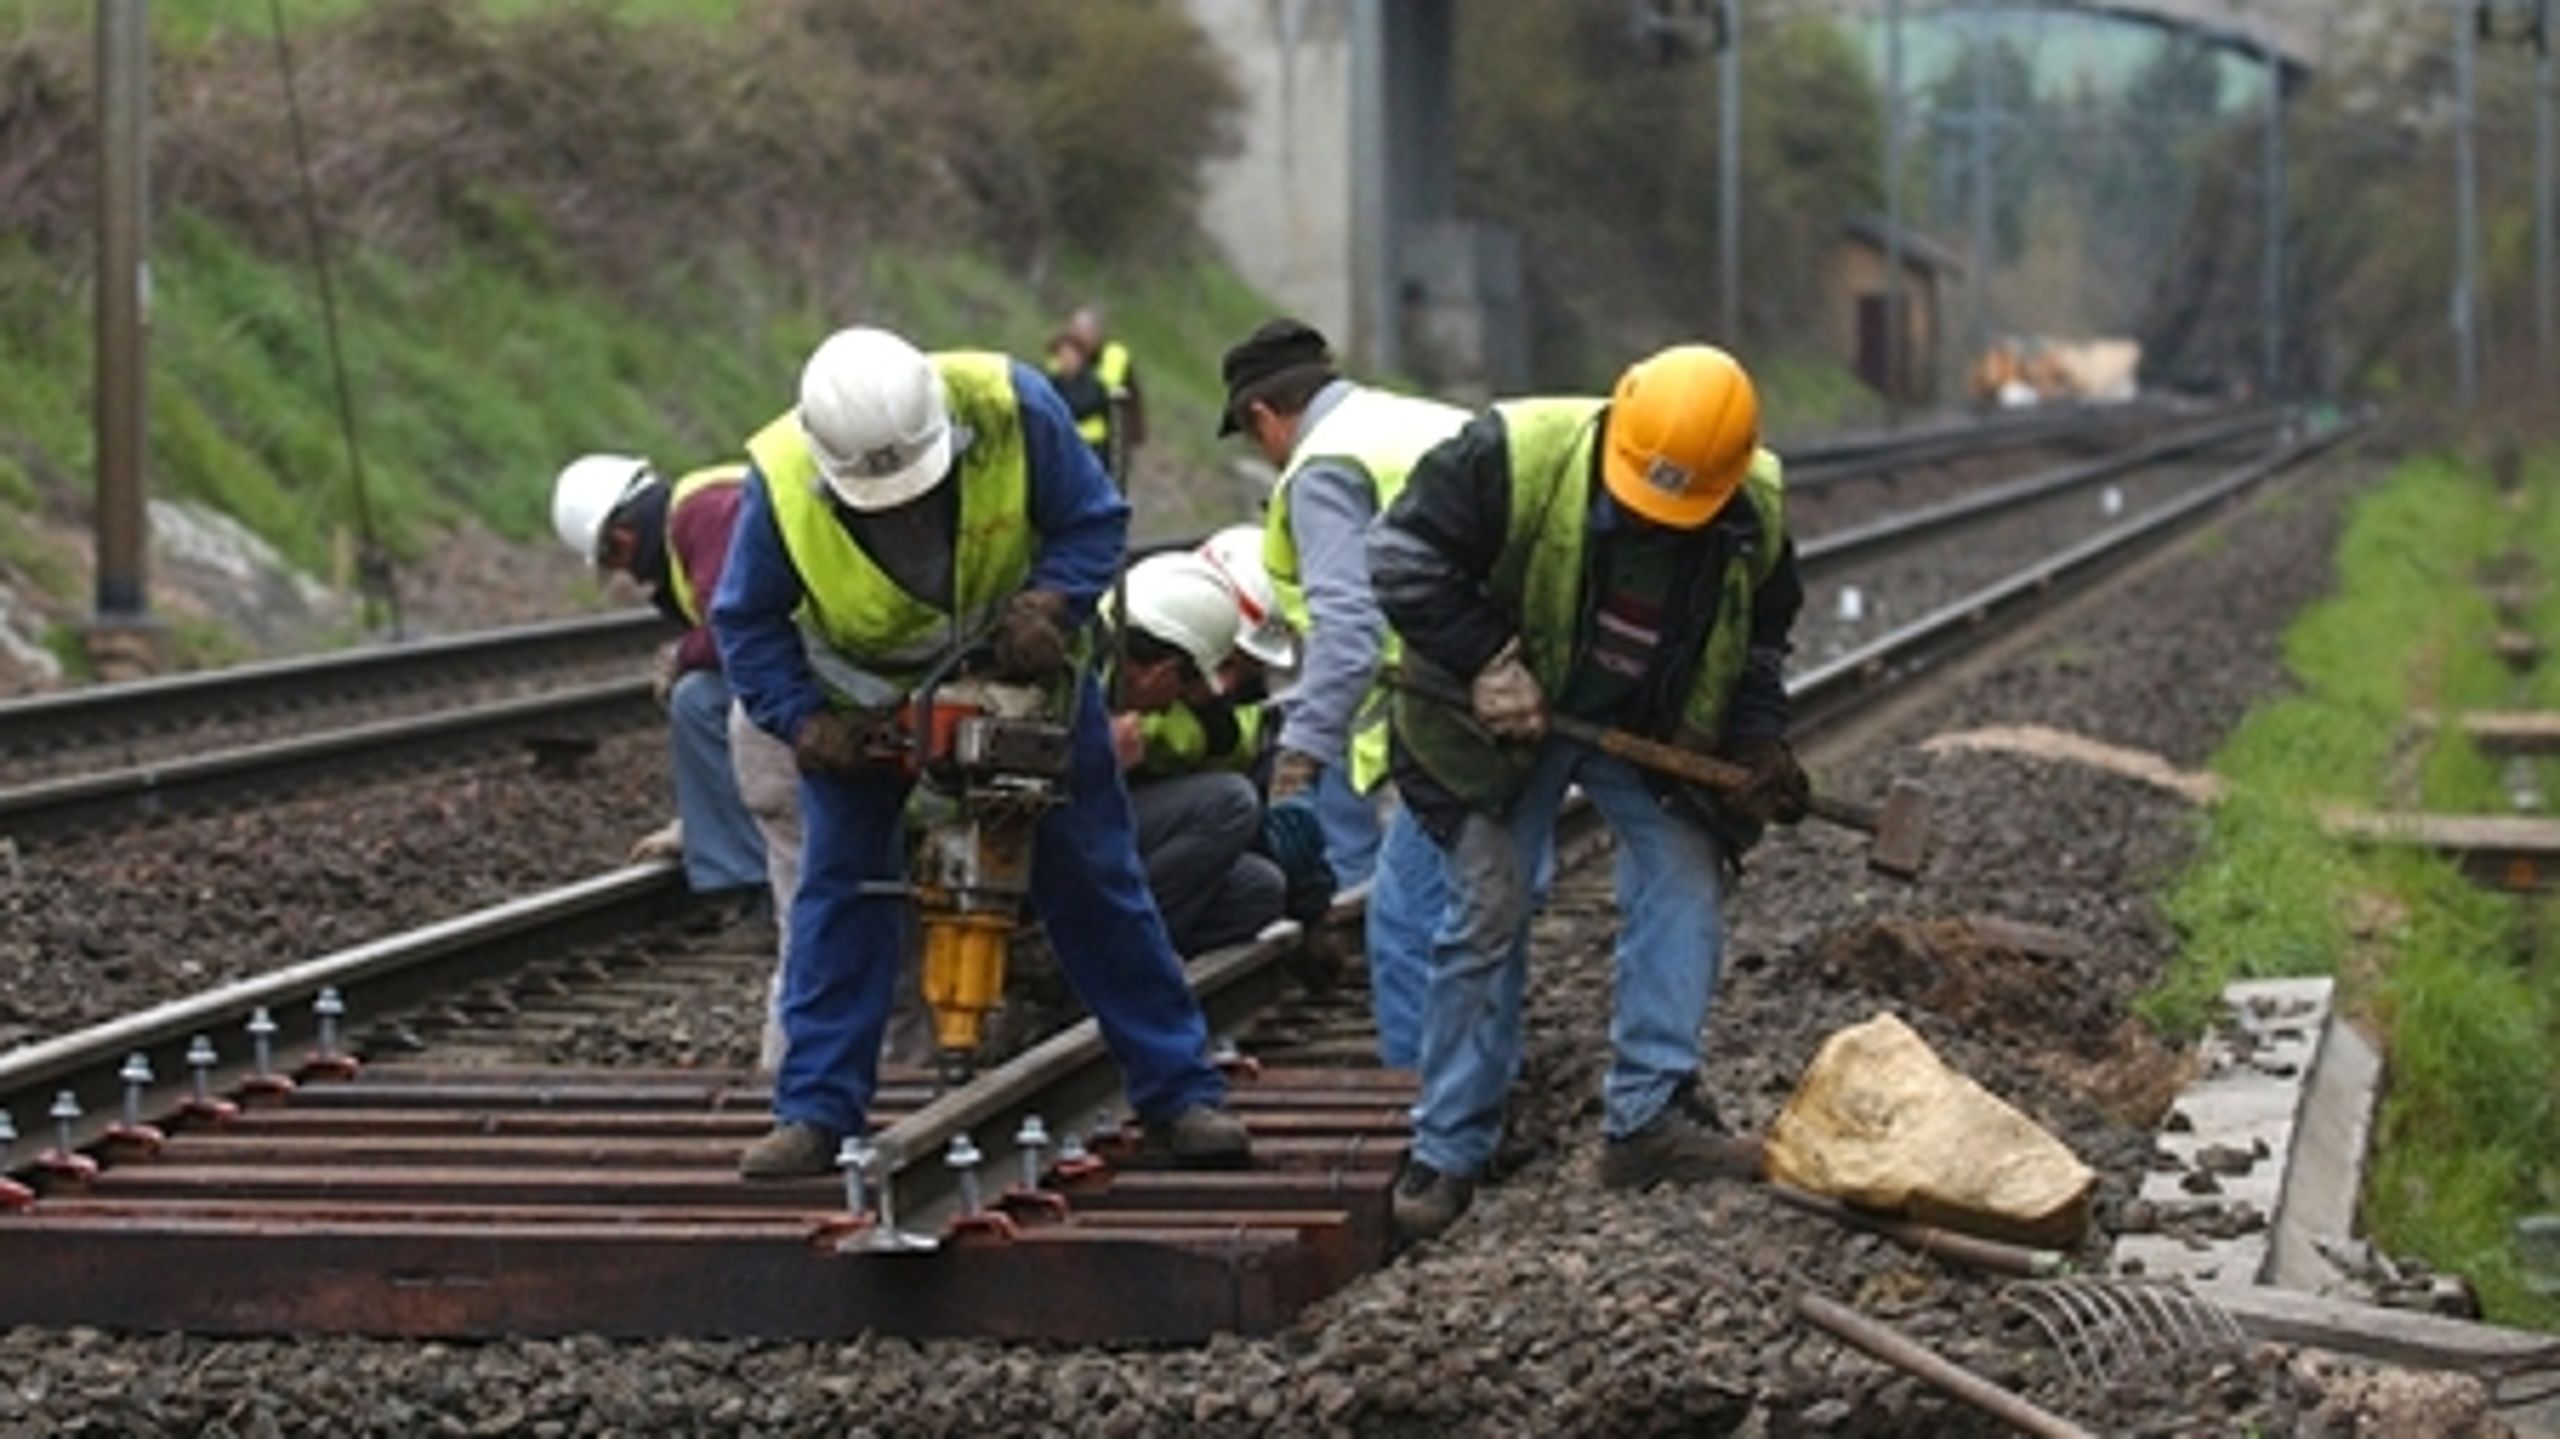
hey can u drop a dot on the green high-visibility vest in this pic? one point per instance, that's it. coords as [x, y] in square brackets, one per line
[1383, 436]
[679, 579]
[1541, 580]
[1177, 743]
[1111, 367]
[853, 608]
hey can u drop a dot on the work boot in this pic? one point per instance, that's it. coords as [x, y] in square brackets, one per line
[792, 1151]
[1687, 1143]
[1427, 1202]
[1203, 1135]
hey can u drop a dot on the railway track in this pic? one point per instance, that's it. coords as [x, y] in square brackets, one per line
[44, 735]
[159, 714]
[425, 1197]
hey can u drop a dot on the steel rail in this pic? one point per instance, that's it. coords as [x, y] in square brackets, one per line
[1070, 1072]
[1817, 464]
[1892, 531]
[1061, 1078]
[75, 803]
[105, 714]
[1824, 695]
[376, 978]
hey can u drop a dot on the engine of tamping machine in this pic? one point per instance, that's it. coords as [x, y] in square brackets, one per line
[994, 759]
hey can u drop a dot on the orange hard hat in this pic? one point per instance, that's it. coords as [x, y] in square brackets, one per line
[1683, 427]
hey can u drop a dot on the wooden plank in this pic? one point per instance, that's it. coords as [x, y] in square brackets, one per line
[2398, 1336]
[2504, 732]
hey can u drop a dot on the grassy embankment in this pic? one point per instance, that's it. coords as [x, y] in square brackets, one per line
[2463, 984]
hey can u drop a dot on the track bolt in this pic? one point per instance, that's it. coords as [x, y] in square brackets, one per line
[962, 1159]
[262, 1041]
[854, 1158]
[329, 1006]
[136, 1075]
[63, 1160]
[1033, 1140]
[201, 1102]
[328, 1058]
[13, 1195]
[200, 1058]
[263, 1078]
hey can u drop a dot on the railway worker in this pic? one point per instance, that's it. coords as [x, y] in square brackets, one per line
[1343, 451]
[1186, 746]
[905, 504]
[1097, 378]
[1626, 562]
[617, 513]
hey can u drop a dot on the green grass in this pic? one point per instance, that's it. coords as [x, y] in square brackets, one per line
[474, 378]
[2447, 970]
[188, 24]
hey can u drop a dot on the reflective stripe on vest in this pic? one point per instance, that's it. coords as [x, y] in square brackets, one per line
[853, 607]
[679, 579]
[1383, 435]
[1540, 579]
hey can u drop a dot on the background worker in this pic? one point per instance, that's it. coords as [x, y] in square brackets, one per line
[1098, 379]
[1186, 750]
[1627, 563]
[904, 505]
[1344, 451]
[617, 513]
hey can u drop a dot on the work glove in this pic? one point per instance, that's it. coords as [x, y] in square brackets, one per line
[664, 842]
[1507, 699]
[837, 742]
[1293, 773]
[1776, 791]
[1031, 637]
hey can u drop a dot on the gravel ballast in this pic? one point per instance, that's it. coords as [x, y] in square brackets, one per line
[1556, 1307]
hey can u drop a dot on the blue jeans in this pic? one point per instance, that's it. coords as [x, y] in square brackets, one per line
[1404, 909]
[1349, 820]
[723, 849]
[1670, 883]
[845, 946]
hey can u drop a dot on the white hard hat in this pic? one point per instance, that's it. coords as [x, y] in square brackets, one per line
[1236, 554]
[873, 409]
[1179, 599]
[589, 490]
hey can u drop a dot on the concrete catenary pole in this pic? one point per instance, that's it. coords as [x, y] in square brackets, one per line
[123, 307]
[2271, 302]
[2466, 183]
[1980, 258]
[1729, 171]
[1893, 346]
[2546, 198]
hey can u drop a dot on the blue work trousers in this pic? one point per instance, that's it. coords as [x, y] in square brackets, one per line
[1349, 820]
[1670, 882]
[1405, 905]
[1087, 887]
[723, 849]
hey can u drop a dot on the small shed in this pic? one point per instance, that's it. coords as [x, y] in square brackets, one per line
[1854, 304]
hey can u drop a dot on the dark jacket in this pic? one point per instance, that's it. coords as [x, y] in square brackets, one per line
[1430, 554]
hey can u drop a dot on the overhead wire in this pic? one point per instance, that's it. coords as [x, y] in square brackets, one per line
[375, 578]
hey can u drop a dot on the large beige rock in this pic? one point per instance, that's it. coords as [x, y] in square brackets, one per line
[1881, 1122]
